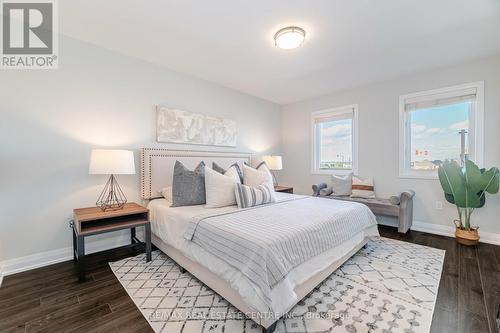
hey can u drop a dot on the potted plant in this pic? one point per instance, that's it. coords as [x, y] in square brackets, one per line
[465, 187]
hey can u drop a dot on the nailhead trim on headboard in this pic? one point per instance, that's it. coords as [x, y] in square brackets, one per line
[146, 164]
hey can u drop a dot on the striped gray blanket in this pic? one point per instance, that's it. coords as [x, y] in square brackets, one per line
[266, 242]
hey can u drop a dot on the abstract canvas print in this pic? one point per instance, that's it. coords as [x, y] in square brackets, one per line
[179, 126]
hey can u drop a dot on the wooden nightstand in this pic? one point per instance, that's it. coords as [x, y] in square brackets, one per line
[93, 221]
[283, 189]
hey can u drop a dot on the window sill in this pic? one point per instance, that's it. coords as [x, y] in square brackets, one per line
[332, 172]
[419, 175]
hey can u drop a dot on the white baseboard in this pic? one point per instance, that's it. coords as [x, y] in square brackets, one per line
[433, 228]
[445, 230]
[37, 260]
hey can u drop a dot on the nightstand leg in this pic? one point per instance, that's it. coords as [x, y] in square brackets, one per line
[132, 235]
[74, 244]
[147, 229]
[81, 258]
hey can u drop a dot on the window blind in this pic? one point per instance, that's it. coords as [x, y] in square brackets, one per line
[429, 101]
[327, 117]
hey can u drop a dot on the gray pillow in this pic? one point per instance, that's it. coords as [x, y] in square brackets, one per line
[342, 185]
[325, 192]
[188, 187]
[221, 170]
[258, 166]
[395, 199]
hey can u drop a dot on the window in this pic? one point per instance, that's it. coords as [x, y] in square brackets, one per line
[438, 125]
[335, 140]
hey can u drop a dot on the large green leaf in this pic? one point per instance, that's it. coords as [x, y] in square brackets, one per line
[465, 197]
[489, 181]
[466, 187]
[450, 198]
[451, 177]
[482, 198]
[473, 176]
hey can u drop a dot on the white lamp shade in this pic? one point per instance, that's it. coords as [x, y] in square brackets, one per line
[111, 162]
[273, 162]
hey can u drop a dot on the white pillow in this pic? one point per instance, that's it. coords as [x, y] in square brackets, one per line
[233, 173]
[253, 177]
[166, 192]
[247, 196]
[219, 188]
[342, 185]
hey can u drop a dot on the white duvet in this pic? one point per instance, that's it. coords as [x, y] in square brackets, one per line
[170, 225]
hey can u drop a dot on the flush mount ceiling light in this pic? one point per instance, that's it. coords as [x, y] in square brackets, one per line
[289, 37]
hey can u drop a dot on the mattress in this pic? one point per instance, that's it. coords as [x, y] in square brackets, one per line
[170, 225]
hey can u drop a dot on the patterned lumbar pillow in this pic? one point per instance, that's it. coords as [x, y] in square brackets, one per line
[259, 176]
[342, 185]
[247, 196]
[220, 188]
[235, 166]
[188, 187]
[362, 187]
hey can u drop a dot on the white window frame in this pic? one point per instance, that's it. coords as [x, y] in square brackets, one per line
[476, 128]
[338, 111]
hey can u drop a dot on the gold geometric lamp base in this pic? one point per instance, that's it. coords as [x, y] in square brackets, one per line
[112, 197]
[111, 162]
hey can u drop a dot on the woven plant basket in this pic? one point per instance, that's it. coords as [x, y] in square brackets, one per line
[467, 237]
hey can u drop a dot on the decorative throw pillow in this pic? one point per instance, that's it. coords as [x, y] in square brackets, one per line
[341, 185]
[324, 192]
[166, 192]
[247, 196]
[362, 187]
[395, 199]
[188, 187]
[259, 176]
[220, 188]
[220, 169]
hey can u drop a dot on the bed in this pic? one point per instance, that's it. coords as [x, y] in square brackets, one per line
[262, 260]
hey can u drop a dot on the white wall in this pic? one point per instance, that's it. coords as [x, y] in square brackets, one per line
[50, 120]
[378, 138]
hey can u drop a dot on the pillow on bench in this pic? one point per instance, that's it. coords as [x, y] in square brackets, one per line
[342, 185]
[362, 188]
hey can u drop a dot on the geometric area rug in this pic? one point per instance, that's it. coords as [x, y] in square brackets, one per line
[389, 286]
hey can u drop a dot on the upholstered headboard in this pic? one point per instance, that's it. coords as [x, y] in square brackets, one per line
[157, 166]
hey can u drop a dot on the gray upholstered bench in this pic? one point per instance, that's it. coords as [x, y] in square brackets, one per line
[400, 206]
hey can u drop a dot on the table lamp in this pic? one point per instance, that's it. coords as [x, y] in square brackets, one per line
[111, 162]
[273, 162]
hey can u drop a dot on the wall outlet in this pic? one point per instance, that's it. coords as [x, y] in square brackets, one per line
[439, 205]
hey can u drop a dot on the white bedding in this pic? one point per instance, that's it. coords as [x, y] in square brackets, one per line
[170, 225]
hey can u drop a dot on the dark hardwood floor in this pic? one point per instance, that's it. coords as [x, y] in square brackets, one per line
[469, 291]
[50, 299]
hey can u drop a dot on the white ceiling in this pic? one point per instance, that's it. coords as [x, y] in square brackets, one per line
[348, 43]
